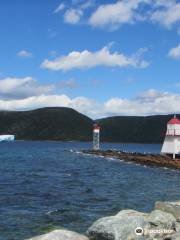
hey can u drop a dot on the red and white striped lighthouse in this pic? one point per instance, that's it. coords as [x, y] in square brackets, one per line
[171, 143]
[96, 136]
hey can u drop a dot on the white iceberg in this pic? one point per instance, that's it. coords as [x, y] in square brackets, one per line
[7, 138]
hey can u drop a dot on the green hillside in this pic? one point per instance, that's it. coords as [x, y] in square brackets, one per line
[149, 129]
[60, 123]
[46, 124]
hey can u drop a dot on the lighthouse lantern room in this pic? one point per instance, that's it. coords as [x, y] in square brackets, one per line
[171, 145]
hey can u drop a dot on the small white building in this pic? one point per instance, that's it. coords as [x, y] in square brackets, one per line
[171, 143]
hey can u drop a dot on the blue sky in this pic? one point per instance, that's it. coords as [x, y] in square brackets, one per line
[101, 58]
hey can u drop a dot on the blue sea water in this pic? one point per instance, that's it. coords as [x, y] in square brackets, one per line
[46, 185]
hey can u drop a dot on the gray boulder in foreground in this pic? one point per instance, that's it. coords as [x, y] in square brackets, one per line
[119, 227]
[170, 207]
[157, 225]
[60, 235]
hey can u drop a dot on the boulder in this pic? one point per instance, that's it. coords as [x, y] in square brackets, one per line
[162, 224]
[119, 227]
[60, 235]
[162, 220]
[170, 207]
[123, 226]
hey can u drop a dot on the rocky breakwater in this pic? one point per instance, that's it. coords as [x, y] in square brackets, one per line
[163, 223]
[157, 160]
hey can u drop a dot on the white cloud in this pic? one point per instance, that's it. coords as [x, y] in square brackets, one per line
[116, 14]
[168, 16]
[81, 104]
[73, 16]
[147, 103]
[24, 54]
[14, 88]
[175, 52]
[149, 95]
[87, 59]
[75, 12]
[113, 15]
[59, 8]
[35, 102]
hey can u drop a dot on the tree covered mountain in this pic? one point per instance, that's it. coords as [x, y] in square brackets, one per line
[150, 129]
[60, 123]
[46, 124]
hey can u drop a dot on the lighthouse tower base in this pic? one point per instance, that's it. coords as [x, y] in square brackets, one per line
[96, 137]
[171, 145]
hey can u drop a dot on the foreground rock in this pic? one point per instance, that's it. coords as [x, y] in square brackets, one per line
[60, 235]
[144, 159]
[170, 207]
[132, 225]
[121, 226]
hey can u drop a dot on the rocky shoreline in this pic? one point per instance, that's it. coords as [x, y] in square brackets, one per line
[163, 223]
[156, 160]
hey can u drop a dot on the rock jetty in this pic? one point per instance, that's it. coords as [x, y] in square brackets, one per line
[157, 160]
[163, 223]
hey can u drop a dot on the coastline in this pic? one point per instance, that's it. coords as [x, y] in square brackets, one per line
[155, 160]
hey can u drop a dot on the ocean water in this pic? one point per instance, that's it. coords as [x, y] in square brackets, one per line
[47, 185]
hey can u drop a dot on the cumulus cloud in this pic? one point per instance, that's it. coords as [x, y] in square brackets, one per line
[116, 14]
[150, 95]
[146, 103]
[75, 12]
[175, 52]
[81, 104]
[167, 16]
[113, 15]
[87, 59]
[17, 88]
[73, 16]
[59, 8]
[24, 54]
[35, 102]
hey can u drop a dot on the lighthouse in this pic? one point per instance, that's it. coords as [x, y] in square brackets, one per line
[171, 143]
[96, 136]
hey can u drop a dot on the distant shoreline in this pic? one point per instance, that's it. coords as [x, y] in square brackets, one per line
[84, 141]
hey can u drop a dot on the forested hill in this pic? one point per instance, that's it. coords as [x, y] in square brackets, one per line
[59, 123]
[149, 129]
[46, 124]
